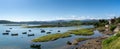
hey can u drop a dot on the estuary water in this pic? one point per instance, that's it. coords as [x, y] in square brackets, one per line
[23, 41]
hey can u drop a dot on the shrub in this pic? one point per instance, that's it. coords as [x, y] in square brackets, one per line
[112, 27]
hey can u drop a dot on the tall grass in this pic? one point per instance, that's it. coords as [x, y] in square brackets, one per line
[63, 35]
[51, 37]
[80, 39]
[82, 32]
[112, 42]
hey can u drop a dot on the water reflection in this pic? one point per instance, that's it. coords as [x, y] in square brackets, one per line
[23, 37]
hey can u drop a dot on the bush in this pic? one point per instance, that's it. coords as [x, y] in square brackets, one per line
[112, 27]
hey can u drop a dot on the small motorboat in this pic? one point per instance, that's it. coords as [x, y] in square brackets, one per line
[7, 30]
[58, 30]
[10, 28]
[24, 32]
[15, 34]
[30, 34]
[48, 32]
[29, 30]
[42, 31]
[5, 33]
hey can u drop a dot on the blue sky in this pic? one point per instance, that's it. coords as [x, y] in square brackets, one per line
[45, 10]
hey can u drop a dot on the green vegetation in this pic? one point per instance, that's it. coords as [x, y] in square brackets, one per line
[101, 28]
[45, 26]
[14, 24]
[71, 23]
[51, 37]
[40, 26]
[112, 42]
[63, 35]
[117, 20]
[58, 24]
[101, 22]
[112, 27]
[80, 39]
[81, 32]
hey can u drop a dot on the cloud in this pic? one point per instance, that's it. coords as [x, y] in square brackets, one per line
[76, 17]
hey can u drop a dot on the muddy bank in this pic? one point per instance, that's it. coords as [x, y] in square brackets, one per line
[92, 44]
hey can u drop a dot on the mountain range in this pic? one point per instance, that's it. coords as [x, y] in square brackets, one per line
[43, 22]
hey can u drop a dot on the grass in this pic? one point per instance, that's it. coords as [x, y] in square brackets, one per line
[101, 28]
[56, 36]
[112, 27]
[50, 25]
[51, 37]
[80, 39]
[112, 43]
[14, 25]
[81, 32]
[40, 26]
[45, 26]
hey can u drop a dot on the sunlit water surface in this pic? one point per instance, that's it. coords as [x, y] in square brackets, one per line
[23, 41]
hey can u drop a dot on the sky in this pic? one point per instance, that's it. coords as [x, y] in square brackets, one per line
[47, 10]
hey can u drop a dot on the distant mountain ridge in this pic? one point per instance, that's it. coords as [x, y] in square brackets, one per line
[42, 22]
[5, 21]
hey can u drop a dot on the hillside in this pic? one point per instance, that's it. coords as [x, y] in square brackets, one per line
[47, 22]
[112, 42]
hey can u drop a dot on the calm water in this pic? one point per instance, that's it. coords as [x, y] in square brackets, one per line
[23, 41]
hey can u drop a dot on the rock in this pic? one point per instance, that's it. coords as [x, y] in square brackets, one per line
[69, 43]
[117, 29]
[36, 46]
[75, 42]
[108, 32]
[92, 44]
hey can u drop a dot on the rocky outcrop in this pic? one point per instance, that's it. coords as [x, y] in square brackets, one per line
[117, 29]
[107, 30]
